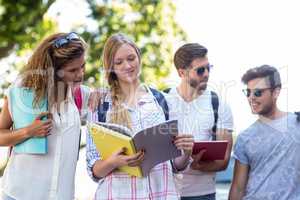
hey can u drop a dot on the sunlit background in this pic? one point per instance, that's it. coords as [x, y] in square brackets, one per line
[238, 34]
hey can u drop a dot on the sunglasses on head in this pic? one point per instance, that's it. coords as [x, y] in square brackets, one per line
[200, 70]
[60, 42]
[256, 92]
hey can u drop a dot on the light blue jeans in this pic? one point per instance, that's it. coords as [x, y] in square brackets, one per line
[202, 197]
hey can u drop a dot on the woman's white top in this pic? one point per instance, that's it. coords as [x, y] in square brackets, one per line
[50, 176]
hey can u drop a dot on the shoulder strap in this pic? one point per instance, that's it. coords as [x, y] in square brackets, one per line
[215, 106]
[102, 110]
[298, 116]
[167, 90]
[78, 98]
[161, 101]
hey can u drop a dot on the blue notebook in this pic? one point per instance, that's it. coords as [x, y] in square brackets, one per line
[23, 114]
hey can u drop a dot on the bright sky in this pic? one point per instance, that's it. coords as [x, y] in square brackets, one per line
[244, 34]
[239, 35]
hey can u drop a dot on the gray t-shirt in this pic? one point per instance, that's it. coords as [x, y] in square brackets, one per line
[271, 150]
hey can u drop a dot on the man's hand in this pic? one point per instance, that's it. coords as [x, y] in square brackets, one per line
[185, 143]
[196, 164]
[216, 165]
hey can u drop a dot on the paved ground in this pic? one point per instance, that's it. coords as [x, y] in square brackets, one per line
[222, 191]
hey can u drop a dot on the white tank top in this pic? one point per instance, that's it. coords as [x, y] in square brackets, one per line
[50, 176]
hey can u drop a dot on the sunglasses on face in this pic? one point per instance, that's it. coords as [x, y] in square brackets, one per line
[60, 42]
[255, 92]
[200, 70]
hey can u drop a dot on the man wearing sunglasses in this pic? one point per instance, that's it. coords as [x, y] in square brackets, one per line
[267, 161]
[191, 103]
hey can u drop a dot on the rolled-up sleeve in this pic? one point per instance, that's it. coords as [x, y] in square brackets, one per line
[92, 154]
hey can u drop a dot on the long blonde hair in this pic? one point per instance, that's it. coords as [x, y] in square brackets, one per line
[40, 73]
[119, 114]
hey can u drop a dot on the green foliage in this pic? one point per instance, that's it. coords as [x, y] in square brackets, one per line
[22, 23]
[150, 23]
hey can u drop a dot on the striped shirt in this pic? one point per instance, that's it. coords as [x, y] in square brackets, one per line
[158, 185]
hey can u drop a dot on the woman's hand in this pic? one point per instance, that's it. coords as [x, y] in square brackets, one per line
[185, 143]
[40, 127]
[118, 159]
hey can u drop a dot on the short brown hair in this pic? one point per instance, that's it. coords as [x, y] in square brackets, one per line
[185, 55]
[264, 71]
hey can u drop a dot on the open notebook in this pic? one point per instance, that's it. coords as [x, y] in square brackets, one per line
[157, 141]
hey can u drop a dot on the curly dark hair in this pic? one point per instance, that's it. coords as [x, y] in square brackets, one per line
[264, 71]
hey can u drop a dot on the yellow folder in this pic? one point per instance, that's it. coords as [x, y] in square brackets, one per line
[157, 141]
[108, 141]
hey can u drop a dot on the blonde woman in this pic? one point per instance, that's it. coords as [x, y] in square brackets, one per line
[55, 67]
[132, 104]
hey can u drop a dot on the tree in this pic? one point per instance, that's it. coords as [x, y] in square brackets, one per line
[150, 23]
[21, 24]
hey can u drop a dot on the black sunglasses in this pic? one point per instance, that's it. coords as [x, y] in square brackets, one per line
[59, 42]
[256, 92]
[200, 70]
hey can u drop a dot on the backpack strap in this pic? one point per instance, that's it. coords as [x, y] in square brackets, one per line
[103, 107]
[167, 90]
[161, 101]
[78, 98]
[78, 103]
[215, 106]
[298, 116]
[102, 110]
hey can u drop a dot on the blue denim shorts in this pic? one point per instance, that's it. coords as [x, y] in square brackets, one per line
[202, 197]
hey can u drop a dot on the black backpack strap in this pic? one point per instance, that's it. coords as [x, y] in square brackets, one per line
[298, 116]
[102, 110]
[167, 90]
[215, 106]
[161, 101]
